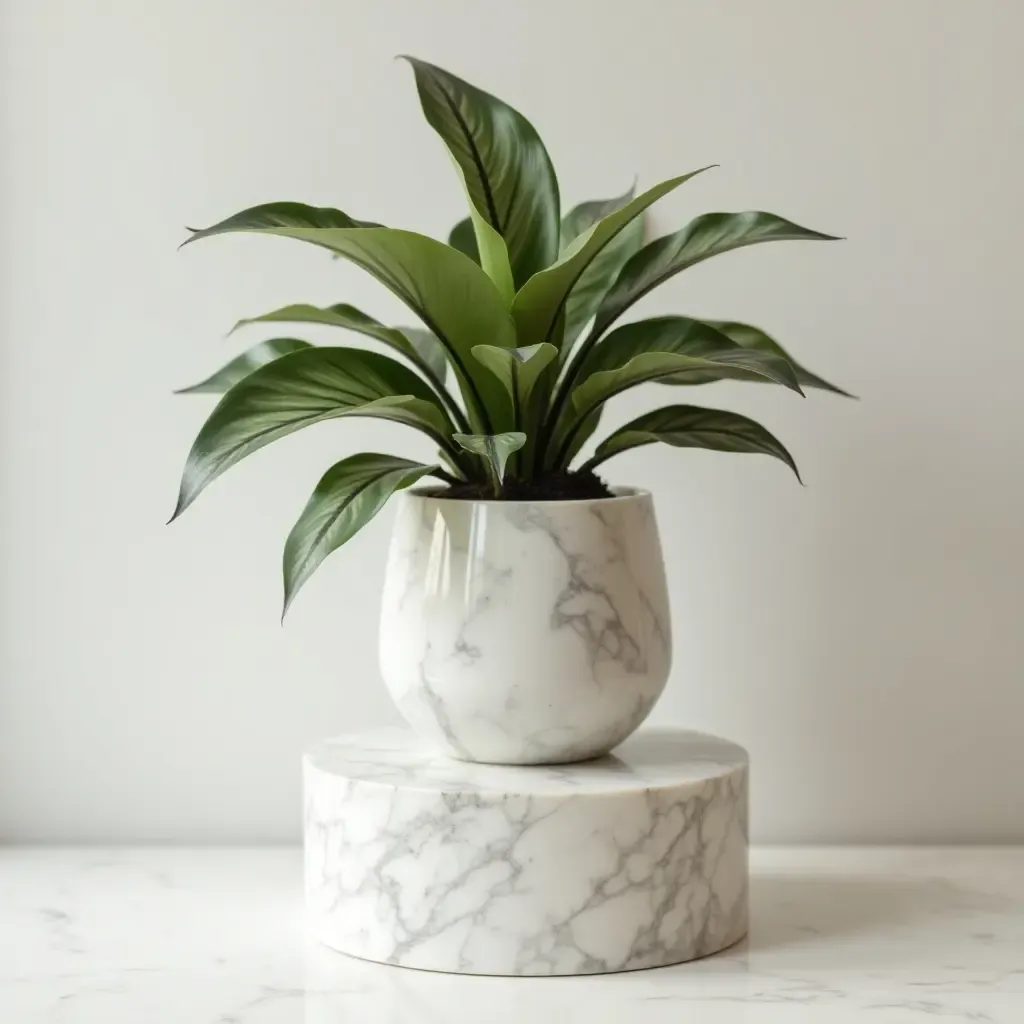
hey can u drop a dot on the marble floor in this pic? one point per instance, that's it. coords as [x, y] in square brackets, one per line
[215, 936]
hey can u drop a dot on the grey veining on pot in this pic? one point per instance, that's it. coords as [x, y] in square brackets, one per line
[525, 632]
[637, 859]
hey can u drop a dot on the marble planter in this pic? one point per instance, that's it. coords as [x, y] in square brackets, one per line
[525, 632]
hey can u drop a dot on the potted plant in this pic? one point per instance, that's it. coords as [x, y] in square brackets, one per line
[525, 615]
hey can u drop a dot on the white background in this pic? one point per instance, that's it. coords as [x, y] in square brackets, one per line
[862, 636]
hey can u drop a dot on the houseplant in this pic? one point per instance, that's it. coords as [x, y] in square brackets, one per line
[525, 610]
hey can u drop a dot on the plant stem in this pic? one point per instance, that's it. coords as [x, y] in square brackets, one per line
[562, 389]
[566, 445]
[446, 477]
[495, 480]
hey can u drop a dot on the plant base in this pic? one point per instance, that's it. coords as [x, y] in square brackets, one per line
[637, 859]
[553, 487]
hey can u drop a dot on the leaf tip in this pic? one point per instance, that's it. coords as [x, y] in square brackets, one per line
[186, 496]
[290, 587]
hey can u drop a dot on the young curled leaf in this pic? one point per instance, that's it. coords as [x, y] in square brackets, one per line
[495, 450]
[517, 368]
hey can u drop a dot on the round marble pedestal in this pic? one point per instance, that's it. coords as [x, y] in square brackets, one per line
[636, 859]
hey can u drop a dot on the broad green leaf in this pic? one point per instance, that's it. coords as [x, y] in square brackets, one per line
[709, 235]
[494, 449]
[463, 238]
[298, 390]
[271, 216]
[602, 384]
[738, 364]
[507, 172]
[687, 426]
[689, 337]
[754, 338]
[541, 302]
[451, 295]
[347, 497]
[417, 345]
[241, 366]
[590, 289]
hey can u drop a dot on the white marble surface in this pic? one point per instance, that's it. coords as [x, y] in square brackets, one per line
[630, 861]
[872, 936]
[525, 632]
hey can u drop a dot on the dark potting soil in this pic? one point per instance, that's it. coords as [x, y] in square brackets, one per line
[556, 487]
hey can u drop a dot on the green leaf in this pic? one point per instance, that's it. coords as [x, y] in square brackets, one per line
[347, 497]
[522, 371]
[298, 390]
[494, 449]
[417, 345]
[754, 338]
[540, 303]
[494, 257]
[507, 171]
[590, 289]
[584, 216]
[430, 355]
[687, 426]
[276, 216]
[709, 235]
[451, 295]
[517, 368]
[689, 337]
[241, 366]
[463, 238]
[650, 349]
[738, 364]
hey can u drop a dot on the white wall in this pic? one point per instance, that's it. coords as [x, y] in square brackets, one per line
[862, 635]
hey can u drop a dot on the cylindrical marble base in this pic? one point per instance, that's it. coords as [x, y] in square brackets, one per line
[636, 859]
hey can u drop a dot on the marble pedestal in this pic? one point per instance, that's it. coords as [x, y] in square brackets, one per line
[636, 859]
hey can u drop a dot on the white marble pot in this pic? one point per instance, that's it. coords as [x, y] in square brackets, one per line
[525, 632]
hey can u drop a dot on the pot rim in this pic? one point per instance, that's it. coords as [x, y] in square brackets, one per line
[619, 494]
